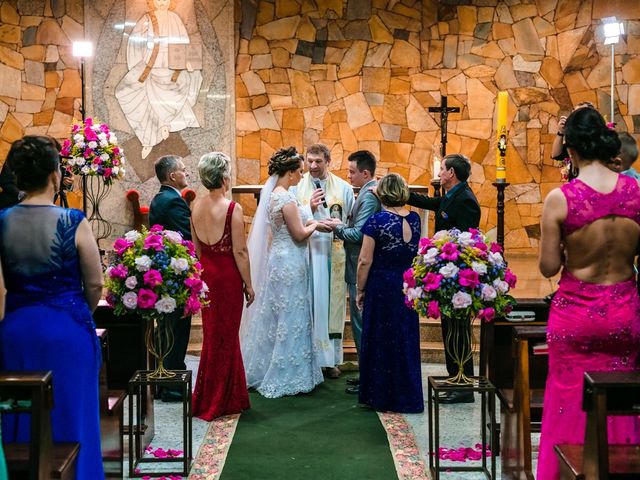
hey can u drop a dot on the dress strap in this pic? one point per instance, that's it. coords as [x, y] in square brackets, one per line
[227, 222]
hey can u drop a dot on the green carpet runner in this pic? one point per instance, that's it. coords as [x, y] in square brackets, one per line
[321, 435]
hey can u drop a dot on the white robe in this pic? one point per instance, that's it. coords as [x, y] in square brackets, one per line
[158, 104]
[321, 245]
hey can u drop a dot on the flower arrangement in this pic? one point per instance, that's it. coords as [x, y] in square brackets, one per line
[459, 275]
[93, 151]
[154, 273]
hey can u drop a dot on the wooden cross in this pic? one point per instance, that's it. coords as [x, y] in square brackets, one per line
[444, 112]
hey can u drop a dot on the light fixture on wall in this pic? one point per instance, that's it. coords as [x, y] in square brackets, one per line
[83, 50]
[612, 30]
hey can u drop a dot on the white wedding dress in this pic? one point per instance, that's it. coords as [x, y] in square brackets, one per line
[276, 336]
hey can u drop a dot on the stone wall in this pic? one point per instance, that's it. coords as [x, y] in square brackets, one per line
[361, 74]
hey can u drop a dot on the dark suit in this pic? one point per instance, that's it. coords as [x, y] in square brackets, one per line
[169, 209]
[459, 210]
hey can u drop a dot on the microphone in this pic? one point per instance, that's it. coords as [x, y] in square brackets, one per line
[316, 182]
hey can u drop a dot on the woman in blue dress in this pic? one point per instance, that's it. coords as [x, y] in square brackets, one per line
[390, 376]
[53, 280]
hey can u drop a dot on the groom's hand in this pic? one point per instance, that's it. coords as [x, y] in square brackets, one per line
[332, 223]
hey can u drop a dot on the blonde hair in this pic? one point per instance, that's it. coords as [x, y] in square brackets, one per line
[393, 190]
[213, 169]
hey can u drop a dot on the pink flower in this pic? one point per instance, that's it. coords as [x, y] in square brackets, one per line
[424, 244]
[89, 134]
[480, 245]
[146, 298]
[111, 299]
[198, 266]
[432, 281]
[407, 278]
[192, 306]
[121, 245]
[88, 153]
[433, 309]
[156, 228]
[510, 278]
[474, 231]
[495, 248]
[190, 247]
[152, 278]
[108, 172]
[119, 271]
[104, 128]
[449, 251]
[88, 122]
[75, 129]
[155, 242]
[195, 284]
[487, 314]
[468, 278]
[116, 150]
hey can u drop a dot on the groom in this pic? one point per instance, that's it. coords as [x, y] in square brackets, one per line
[325, 192]
[169, 209]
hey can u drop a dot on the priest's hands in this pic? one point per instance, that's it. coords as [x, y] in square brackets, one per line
[317, 198]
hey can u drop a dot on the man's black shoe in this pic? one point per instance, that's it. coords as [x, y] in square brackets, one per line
[170, 396]
[353, 381]
[353, 390]
[457, 397]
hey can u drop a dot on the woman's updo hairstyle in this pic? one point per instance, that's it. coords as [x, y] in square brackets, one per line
[587, 134]
[32, 159]
[284, 160]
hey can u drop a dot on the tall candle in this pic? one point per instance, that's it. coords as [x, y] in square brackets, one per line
[436, 168]
[501, 137]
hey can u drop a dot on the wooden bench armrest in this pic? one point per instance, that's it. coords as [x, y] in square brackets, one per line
[529, 332]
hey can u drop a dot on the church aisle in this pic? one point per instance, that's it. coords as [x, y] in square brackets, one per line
[321, 435]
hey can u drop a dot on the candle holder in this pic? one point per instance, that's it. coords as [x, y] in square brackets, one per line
[500, 186]
[435, 183]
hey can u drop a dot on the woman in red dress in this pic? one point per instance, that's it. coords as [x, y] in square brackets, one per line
[218, 234]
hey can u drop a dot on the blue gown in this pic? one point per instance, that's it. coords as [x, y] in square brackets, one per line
[390, 375]
[48, 326]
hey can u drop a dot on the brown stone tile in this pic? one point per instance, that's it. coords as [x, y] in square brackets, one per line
[399, 86]
[265, 75]
[351, 85]
[407, 135]
[11, 58]
[395, 152]
[10, 34]
[303, 93]
[353, 60]
[339, 115]
[394, 110]
[43, 118]
[292, 137]
[280, 29]
[251, 145]
[436, 53]
[501, 30]
[11, 129]
[32, 92]
[375, 79]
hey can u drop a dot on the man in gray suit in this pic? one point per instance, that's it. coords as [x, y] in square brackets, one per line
[362, 170]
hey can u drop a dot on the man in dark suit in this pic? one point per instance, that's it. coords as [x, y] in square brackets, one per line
[458, 208]
[170, 210]
[362, 171]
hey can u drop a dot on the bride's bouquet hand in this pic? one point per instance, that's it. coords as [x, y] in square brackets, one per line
[249, 294]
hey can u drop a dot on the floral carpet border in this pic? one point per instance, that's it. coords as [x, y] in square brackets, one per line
[404, 449]
[210, 459]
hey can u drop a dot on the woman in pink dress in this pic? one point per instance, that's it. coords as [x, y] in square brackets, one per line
[217, 229]
[590, 229]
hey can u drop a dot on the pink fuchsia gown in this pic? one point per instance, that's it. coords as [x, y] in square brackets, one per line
[591, 327]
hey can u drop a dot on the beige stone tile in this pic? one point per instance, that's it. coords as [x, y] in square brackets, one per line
[282, 28]
[358, 112]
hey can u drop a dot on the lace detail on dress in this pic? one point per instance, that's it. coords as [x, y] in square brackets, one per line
[224, 245]
[278, 351]
[586, 205]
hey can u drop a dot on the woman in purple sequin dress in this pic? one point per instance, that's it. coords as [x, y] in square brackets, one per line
[590, 228]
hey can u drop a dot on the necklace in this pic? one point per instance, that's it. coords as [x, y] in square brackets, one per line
[394, 209]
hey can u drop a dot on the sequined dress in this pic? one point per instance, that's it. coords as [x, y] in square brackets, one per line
[390, 375]
[278, 351]
[221, 387]
[48, 326]
[591, 327]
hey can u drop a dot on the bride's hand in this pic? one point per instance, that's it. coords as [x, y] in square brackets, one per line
[323, 227]
[249, 294]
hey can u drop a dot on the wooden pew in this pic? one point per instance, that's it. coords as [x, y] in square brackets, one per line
[40, 459]
[111, 416]
[521, 406]
[604, 394]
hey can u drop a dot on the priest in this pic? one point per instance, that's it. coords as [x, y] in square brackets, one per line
[328, 196]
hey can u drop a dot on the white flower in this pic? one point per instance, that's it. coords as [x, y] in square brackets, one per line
[132, 235]
[143, 263]
[71, 161]
[501, 286]
[130, 300]
[440, 235]
[461, 300]
[205, 287]
[94, 167]
[131, 282]
[102, 137]
[113, 139]
[172, 236]
[431, 256]
[78, 137]
[449, 270]
[479, 268]
[488, 293]
[93, 145]
[121, 173]
[413, 293]
[495, 258]
[115, 170]
[179, 264]
[165, 305]
[104, 157]
[85, 170]
[465, 239]
[80, 161]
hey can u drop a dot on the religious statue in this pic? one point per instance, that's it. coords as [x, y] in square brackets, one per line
[159, 91]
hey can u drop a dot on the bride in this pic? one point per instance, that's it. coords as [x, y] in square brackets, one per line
[276, 331]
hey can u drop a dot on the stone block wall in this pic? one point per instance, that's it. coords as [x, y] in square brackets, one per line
[361, 74]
